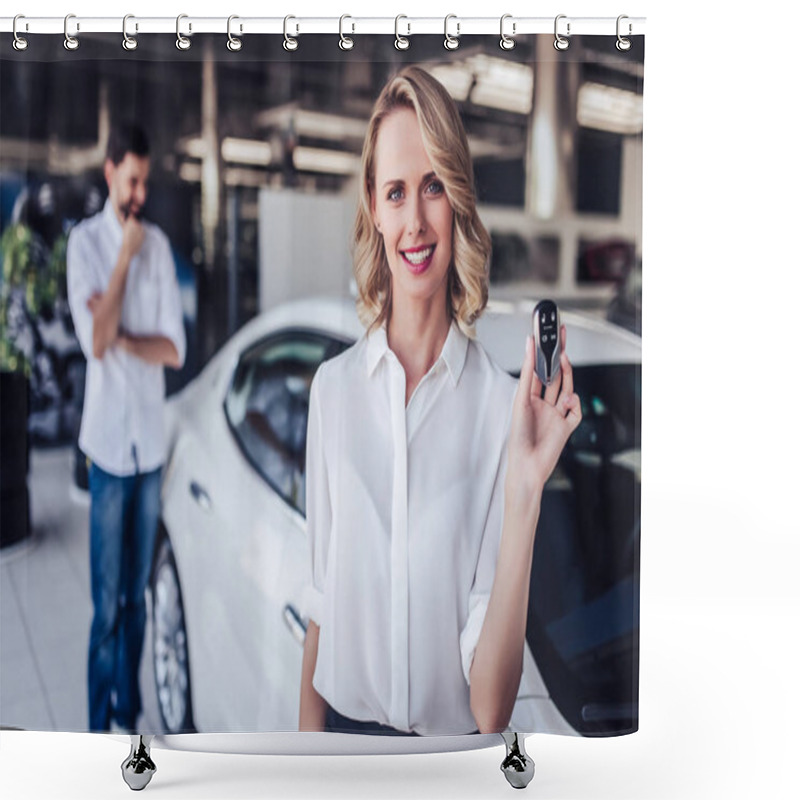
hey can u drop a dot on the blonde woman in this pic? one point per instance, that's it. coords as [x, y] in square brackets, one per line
[425, 461]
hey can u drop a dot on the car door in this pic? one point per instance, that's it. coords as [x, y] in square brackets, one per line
[267, 412]
[583, 616]
[198, 514]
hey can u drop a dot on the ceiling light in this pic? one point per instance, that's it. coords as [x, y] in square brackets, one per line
[246, 151]
[337, 162]
[609, 109]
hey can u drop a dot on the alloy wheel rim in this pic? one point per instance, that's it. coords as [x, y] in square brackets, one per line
[169, 649]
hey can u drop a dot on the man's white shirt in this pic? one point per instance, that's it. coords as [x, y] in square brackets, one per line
[122, 427]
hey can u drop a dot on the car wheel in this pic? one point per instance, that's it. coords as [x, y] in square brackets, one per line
[170, 651]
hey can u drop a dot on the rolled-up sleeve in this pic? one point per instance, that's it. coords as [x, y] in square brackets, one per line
[83, 281]
[485, 570]
[318, 507]
[170, 308]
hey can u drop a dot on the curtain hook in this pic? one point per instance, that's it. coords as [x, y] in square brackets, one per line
[129, 42]
[451, 42]
[234, 44]
[623, 44]
[20, 43]
[401, 42]
[506, 42]
[560, 42]
[289, 43]
[345, 42]
[70, 42]
[182, 43]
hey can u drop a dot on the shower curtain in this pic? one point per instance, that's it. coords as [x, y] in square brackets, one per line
[164, 562]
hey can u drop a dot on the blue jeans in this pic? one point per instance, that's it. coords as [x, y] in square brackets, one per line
[123, 520]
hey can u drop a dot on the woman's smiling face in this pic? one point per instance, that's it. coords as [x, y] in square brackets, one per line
[411, 210]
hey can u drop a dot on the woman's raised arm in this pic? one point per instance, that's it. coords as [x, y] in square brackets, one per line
[540, 428]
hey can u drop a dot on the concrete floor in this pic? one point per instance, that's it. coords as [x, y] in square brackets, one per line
[46, 610]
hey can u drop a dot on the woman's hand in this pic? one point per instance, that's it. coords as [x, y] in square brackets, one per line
[540, 426]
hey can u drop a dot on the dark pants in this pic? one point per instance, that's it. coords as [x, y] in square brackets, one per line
[338, 723]
[123, 519]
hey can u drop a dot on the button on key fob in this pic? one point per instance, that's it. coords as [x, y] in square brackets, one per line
[547, 336]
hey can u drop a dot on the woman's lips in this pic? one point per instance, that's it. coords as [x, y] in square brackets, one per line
[418, 259]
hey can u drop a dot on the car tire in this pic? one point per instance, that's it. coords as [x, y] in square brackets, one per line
[170, 646]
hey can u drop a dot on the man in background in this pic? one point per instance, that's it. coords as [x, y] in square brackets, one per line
[125, 304]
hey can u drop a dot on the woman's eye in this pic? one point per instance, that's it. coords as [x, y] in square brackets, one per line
[435, 187]
[395, 194]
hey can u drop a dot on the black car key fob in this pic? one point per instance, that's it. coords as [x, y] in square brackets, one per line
[547, 335]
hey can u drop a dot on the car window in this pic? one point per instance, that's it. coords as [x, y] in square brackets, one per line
[267, 407]
[583, 608]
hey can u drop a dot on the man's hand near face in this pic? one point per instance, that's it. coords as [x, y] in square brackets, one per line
[132, 236]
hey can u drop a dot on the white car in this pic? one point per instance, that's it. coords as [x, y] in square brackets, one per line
[232, 556]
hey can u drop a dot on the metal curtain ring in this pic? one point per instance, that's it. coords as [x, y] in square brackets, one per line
[182, 43]
[345, 42]
[401, 42]
[129, 42]
[19, 43]
[623, 44]
[70, 42]
[288, 42]
[560, 42]
[451, 42]
[506, 42]
[234, 44]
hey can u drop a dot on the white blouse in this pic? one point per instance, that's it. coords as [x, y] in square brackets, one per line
[405, 514]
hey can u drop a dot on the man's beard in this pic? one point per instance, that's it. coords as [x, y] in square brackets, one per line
[126, 210]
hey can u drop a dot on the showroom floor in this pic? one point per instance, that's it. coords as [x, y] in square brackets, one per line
[46, 609]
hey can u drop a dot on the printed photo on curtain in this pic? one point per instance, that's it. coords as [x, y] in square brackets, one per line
[321, 385]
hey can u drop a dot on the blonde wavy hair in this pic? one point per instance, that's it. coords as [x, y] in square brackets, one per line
[445, 143]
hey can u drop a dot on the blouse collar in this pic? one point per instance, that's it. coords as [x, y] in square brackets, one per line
[454, 351]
